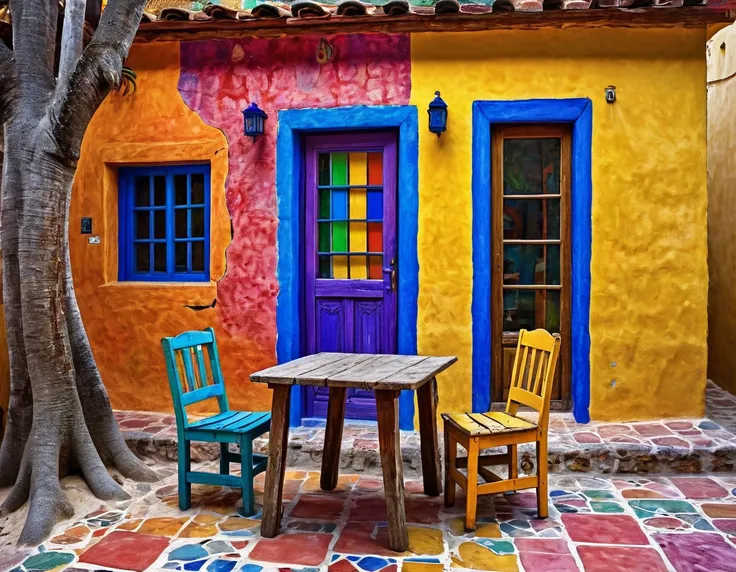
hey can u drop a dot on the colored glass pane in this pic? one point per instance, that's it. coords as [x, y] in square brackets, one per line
[323, 245]
[375, 168]
[358, 175]
[324, 173]
[324, 204]
[375, 244]
[339, 169]
[339, 164]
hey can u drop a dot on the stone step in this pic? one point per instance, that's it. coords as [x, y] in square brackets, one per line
[663, 446]
[360, 454]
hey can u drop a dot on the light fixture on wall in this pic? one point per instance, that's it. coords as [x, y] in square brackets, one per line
[437, 115]
[611, 94]
[254, 119]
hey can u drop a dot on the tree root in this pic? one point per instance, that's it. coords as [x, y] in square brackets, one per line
[20, 491]
[102, 485]
[48, 503]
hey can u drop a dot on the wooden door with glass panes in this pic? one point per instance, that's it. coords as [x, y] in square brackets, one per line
[530, 285]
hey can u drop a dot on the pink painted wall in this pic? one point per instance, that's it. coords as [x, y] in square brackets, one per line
[220, 78]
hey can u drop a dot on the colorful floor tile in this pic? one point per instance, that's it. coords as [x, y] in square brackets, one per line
[620, 559]
[596, 523]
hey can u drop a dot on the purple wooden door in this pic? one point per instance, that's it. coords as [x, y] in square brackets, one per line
[350, 254]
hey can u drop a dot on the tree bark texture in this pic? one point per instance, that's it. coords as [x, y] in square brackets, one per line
[59, 415]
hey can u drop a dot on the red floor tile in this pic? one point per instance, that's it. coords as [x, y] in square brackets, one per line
[620, 559]
[357, 538]
[537, 562]
[369, 509]
[320, 507]
[542, 545]
[127, 550]
[699, 487]
[604, 529]
[300, 549]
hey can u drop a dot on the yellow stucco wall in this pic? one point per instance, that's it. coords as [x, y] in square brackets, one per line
[649, 268]
[125, 321]
[722, 202]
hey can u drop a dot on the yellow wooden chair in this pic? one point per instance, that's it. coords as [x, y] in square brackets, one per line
[531, 385]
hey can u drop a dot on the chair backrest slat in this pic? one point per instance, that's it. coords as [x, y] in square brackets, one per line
[191, 382]
[189, 385]
[533, 372]
[203, 381]
[518, 369]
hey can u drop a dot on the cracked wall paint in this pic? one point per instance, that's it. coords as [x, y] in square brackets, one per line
[216, 79]
[125, 321]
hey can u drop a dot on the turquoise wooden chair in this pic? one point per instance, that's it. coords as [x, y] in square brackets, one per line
[192, 384]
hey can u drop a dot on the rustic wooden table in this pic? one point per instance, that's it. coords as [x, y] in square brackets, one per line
[387, 376]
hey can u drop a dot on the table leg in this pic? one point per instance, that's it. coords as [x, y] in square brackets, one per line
[278, 444]
[333, 438]
[431, 463]
[387, 405]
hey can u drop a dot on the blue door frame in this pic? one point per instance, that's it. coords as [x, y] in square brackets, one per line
[577, 112]
[294, 124]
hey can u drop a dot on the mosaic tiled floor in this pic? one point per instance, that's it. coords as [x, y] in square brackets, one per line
[682, 445]
[684, 524]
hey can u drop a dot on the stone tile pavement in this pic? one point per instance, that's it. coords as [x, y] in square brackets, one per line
[598, 524]
[658, 447]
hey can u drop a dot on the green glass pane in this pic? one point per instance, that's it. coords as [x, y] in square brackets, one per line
[324, 203]
[325, 267]
[339, 237]
[324, 168]
[339, 168]
[323, 235]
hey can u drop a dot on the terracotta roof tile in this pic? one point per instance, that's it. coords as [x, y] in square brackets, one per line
[244, 9]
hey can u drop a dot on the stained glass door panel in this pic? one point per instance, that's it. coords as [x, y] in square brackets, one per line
[350, 254]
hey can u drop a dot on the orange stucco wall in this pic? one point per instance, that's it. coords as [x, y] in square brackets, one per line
[125, 321]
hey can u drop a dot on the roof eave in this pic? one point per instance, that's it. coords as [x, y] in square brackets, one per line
[650, 17]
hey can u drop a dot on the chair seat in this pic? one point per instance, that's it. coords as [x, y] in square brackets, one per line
[238, 422]
[493, 423]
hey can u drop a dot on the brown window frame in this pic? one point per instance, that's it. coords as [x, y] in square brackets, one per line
[561, 393]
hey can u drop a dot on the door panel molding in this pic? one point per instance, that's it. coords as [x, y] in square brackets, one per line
[486, 114]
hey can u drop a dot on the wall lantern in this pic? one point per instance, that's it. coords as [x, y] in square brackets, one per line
[254, 119]
[437, 115]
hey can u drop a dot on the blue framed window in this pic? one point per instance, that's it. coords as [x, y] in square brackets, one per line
[164, 223]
